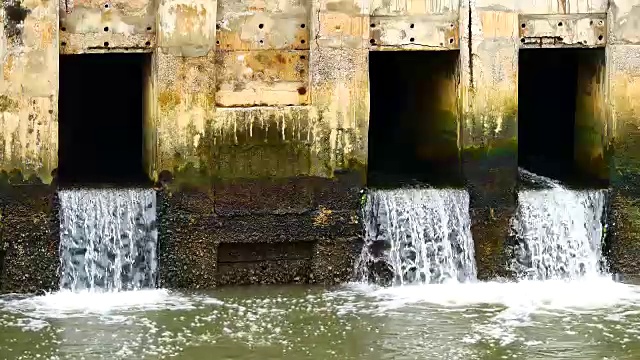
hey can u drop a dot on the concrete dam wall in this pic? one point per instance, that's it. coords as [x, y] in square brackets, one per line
[260, 124]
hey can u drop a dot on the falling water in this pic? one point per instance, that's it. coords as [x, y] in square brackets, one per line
[559, 232]
[417, 236]
[107, 239]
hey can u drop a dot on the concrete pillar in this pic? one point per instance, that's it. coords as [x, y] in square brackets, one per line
[28, 145]
[623, 54]
[489, 51]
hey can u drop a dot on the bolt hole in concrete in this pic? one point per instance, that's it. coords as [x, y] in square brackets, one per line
[106, 28]
[260, 26]
[411, 39]
[302, 57]
[560, 24]
[64, 43]
[302, 26]
[63, 28]
[412, 26]
[372, 41]
[600, 37]
[413, 126]
[149, 28]
[106, 44]
[148, 43]
[373, 25]
[563, 113]
[103, 144]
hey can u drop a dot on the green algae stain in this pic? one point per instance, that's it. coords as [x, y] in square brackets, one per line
[7, 104]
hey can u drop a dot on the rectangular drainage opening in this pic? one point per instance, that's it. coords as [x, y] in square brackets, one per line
[102, 111]
[561, 115]
[413, 125]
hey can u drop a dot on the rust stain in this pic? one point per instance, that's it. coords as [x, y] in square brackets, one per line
[281, 59]
[189, 17]
[46, 34]
[7, 67]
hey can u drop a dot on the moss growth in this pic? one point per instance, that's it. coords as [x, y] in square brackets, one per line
[168, 100]
[7, 104]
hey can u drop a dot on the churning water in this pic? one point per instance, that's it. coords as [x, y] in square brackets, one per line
[417, 236]
[559, 232]
[108, 239]
[421, 236]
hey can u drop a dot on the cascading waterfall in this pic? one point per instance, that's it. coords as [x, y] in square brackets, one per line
[417, 236]
[559, 232]
[108, 239]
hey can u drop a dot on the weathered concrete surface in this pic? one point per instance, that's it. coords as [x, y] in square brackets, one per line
[489, 128]
[563, 30]
[247, 243]
[28, 87]
[258, 116]
[624, 95]
[29, 236]
[89, 26]
[28, 145]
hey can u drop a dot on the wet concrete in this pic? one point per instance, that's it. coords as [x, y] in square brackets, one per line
[29, 237]
[260, 231]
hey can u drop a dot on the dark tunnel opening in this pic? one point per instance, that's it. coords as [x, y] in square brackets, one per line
[557, 123]
[101, 119]
[413, 124]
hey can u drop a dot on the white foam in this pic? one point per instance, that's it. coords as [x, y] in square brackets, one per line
[70, 304]
[597, 292]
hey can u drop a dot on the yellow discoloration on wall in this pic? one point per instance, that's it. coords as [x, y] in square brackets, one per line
[489, 81]
[262, 78]
[187, 86]
[248, 28]
[331, 82]
[187, 26]
[337, 29]
[126, 26]
[28, 92]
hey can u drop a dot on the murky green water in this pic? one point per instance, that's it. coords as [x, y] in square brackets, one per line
[590, 319]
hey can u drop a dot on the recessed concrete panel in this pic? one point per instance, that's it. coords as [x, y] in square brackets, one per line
[270, 77]
[253, 25]
[98, 26]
